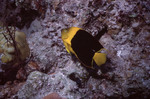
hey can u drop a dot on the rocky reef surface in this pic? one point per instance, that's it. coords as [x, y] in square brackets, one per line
[52, 72]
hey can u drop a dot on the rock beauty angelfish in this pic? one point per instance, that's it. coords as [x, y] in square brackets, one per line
[84, 46]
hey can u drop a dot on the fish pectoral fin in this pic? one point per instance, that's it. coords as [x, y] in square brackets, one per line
[68, 51]
[67, 47]
[99, 58]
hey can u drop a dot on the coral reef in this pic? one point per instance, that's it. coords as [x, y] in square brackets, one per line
[126, 74]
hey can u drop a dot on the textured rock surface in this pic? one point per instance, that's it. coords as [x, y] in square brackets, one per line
[39, 84]
[127, 42]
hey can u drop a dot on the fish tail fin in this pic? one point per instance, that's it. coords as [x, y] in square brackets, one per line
[99, 58]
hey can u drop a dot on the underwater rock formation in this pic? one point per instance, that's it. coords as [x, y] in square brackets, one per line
[126, 74]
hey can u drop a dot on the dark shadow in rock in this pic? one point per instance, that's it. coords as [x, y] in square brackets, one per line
[26, 17]
[18, 16]
[138, 93]
[9, 74]
[114, 97]
[106, 67]
[74, 58]
[76, 79]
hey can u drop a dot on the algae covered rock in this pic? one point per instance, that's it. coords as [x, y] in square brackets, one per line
[8, 49]
[39, 85]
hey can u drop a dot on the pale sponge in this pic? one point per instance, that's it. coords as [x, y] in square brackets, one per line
[7, 48]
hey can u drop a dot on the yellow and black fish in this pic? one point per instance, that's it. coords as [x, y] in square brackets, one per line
[83, 45]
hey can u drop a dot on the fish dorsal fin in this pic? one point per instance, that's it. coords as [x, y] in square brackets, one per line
[101, 33]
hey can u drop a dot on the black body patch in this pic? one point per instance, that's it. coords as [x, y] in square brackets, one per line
[85, 45]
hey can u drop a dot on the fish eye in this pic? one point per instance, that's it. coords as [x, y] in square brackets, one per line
[64, 33]
[64, 30]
